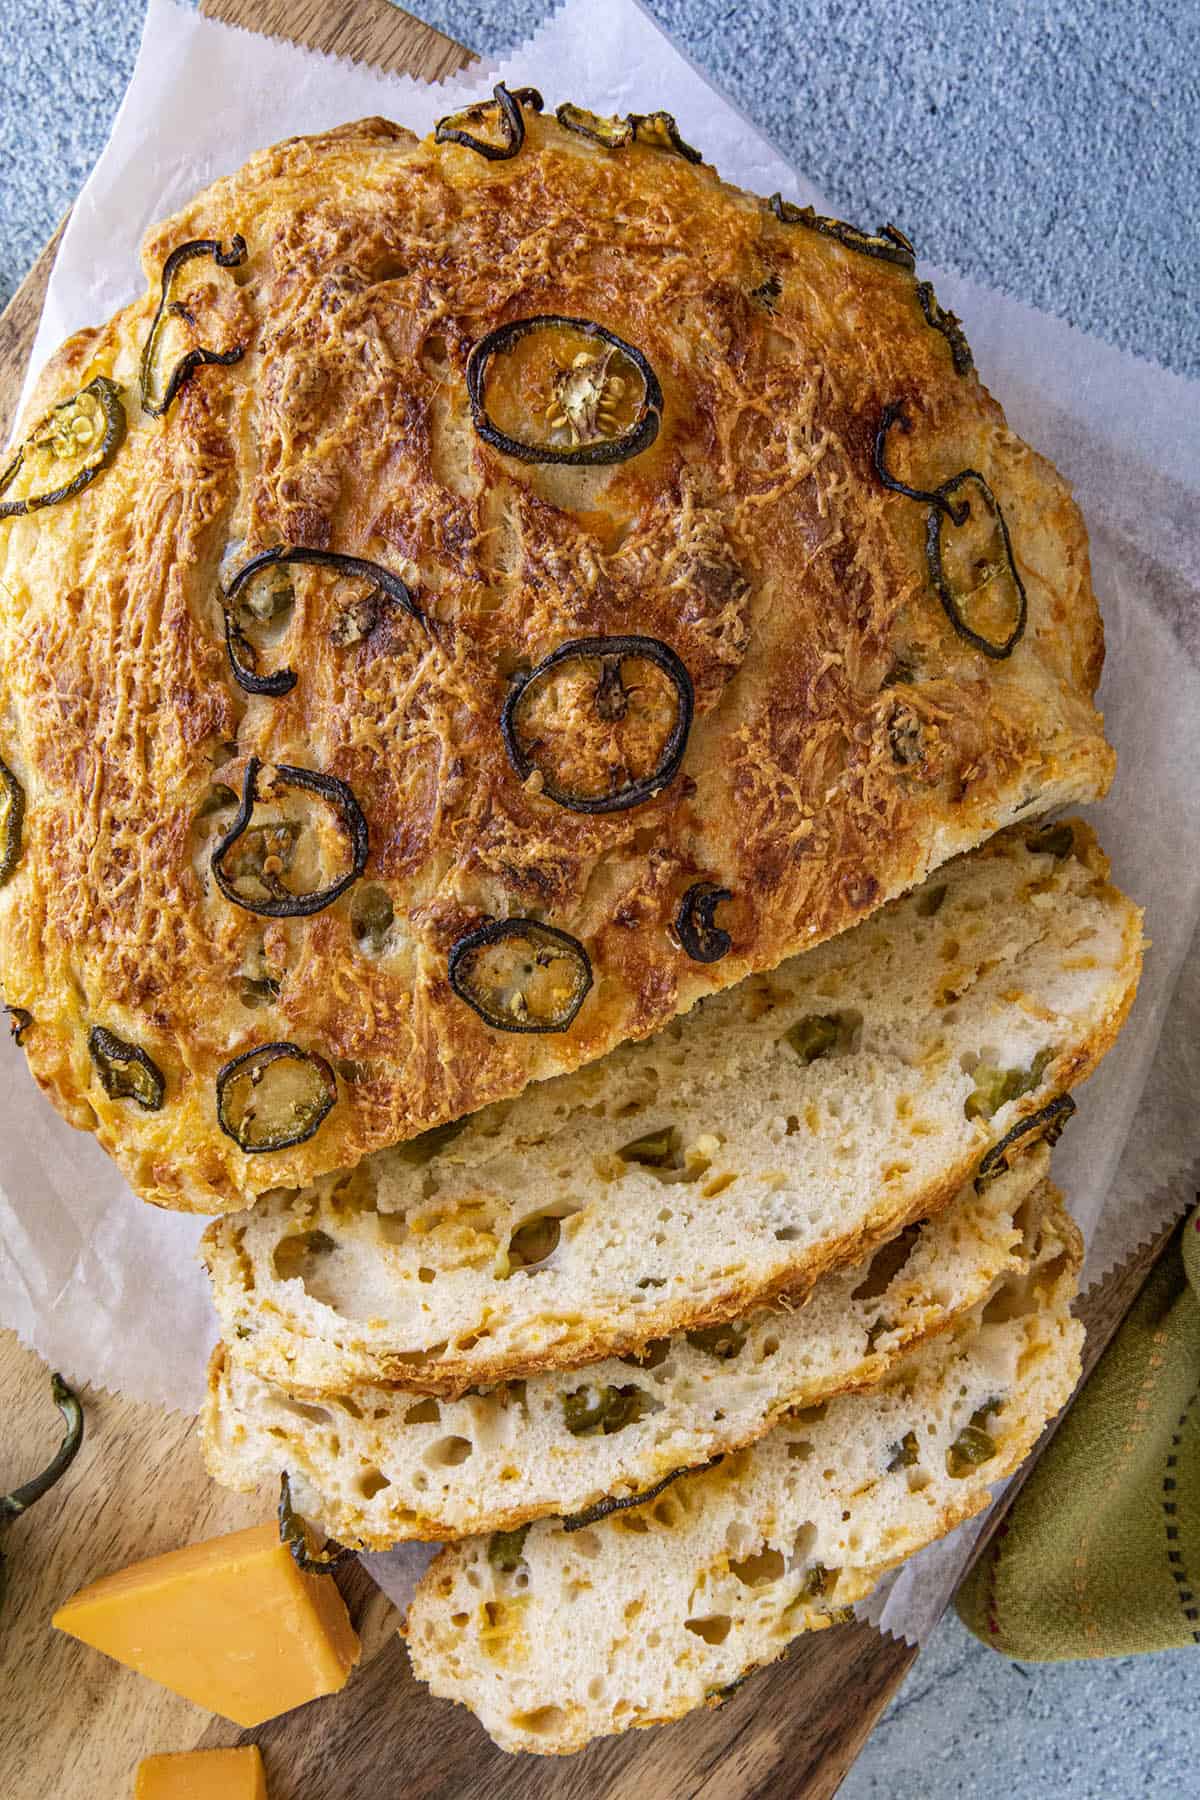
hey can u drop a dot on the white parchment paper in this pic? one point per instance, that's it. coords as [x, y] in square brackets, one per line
[109, 1290]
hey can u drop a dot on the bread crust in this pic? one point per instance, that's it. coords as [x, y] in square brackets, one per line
[752, 537]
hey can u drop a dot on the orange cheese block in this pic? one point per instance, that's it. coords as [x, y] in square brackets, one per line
[203, 1775]
[232, 1624]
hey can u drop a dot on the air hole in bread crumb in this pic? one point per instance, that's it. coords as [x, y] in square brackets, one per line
[714, 1629]
[448, 1452]
[759, 1570]
[544, 1721]
[372, 1482]
[887, 1263]
[424, 1412]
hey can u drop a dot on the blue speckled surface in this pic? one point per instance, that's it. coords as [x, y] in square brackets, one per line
[1047, 149]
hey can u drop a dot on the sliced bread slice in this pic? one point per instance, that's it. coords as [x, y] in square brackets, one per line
[781, 1129]
[383, 1465]
[554, 1637]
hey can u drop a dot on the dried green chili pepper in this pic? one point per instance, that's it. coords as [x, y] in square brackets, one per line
[243, 655]
[905, 1454]
[504, 109]
[613, 133]
[1044, 1126]
[125, 1071]
[944, 506]
[659, 131]
[702, 939]
[19, 1021]
[527, 739]
[268, 849]
[274, 1097]
[604, 1508]
[520, 975]
[1057, 840]
[653, 1150]
[156, 398]
[950, 326]
[506, 1549]
[19, 1501]
[895, 414]
[974, 1445]
[12, 819]
[1004, 570]
[293, 1534]
[815, 1035]
[586, 398]
[82, 433]
[889, 243]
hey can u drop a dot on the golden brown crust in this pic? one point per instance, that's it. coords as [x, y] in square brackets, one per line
[752, 537]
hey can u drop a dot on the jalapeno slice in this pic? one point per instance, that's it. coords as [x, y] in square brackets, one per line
[613, 133]
[982, 566]
[253, 878]
[274, 1097]
[1044, 1126]
[19, 1020]
[158, 395]
[889, 243]
[592, 397]
[602, 736]
[659, 131]
[950, 326]
[20, 1499]
[895, 414]
[503, 110]
[293, 1534]
[603, 1508]
[12, 819]
[67, 450]
[125, 1071]
[702, 939]
[520, 975]
[253, 593]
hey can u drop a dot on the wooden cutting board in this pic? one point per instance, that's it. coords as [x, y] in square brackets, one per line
[73, 1725]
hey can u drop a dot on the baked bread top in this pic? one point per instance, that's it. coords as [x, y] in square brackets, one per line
[277, 811]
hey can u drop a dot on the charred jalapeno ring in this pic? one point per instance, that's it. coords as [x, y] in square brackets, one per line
[19, 1020]
[1044, 1126]
[170, 308]
[604, 1508]
[612, 133]
[577, 410]
[499, 994]
[125, 1071]
[293, 1534]
[507, 107]
[951, 602]
[19, 1501]
[895, 414]
[304, 1097]
[611, 703]
[12, 819]
[659, 131]
[950, 326]
[279, 902]
[86, 429]
[889, 243]
[703, 940]
[242, 654]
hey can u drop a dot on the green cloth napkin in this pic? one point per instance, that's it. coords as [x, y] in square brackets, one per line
[1100, 1554]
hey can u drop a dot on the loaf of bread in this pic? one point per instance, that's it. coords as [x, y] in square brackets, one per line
[383, 1465]
[781, 1129]
[554, 1636]
[293, 798]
